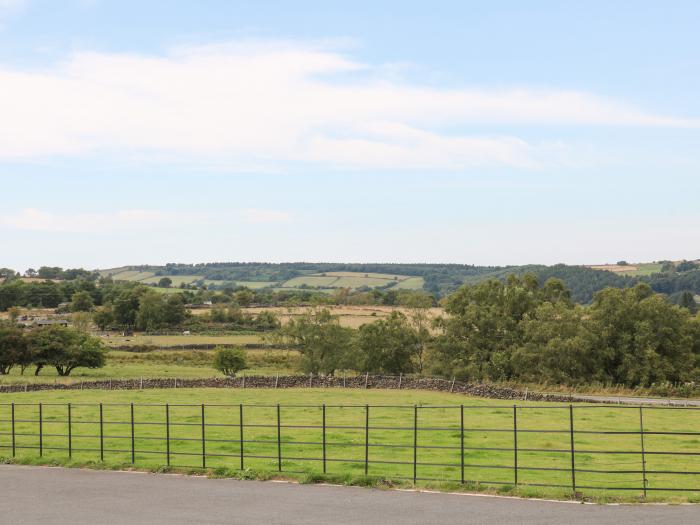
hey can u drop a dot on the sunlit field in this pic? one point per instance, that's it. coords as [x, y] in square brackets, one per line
[430, 437]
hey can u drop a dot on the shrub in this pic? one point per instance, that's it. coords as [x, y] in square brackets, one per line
[229, 361]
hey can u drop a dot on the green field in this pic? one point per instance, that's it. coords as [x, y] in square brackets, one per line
[253, 285]
[390, 440]
[355, 280]
[643, 269]
[412, 283]
[176, 279]
[310, 280]
[162, 364]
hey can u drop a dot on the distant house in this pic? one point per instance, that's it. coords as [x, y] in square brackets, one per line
[51, 322]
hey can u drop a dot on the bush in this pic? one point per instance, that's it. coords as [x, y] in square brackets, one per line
[229, 361]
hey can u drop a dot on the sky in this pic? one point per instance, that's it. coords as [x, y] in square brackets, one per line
[491, 133]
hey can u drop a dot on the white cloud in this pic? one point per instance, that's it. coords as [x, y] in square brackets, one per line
[256, 103]
[31, 219]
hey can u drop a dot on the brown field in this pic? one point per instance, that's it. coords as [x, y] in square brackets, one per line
[351, 316]
[615, 268]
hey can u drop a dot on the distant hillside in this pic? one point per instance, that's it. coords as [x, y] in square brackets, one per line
[436, 279]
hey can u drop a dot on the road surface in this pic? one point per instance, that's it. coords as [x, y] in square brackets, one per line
[631, 400]
[74, 496]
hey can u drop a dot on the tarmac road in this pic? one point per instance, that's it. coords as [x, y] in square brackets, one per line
[59, 496]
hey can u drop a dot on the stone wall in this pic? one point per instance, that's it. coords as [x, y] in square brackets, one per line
[355, 382]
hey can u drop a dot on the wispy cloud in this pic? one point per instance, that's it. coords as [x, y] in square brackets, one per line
[132, 220]
[261, 102]
[31, 219]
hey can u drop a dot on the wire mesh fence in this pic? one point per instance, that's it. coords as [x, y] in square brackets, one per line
[571, 447]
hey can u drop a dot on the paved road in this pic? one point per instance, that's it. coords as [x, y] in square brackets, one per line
[70, 496]
[629, 400]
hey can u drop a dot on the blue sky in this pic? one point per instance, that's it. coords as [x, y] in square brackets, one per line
[470, 132]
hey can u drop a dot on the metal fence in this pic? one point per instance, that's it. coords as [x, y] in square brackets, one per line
[568, 447]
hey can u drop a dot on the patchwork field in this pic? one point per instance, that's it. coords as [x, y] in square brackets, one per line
[327, 280]
[400, 435]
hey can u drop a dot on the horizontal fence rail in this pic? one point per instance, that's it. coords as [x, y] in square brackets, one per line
[573, 448]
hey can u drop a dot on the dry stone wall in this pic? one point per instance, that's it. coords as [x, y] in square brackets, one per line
[298, 381]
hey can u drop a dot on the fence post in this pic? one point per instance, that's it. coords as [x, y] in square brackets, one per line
[70, 434]
[277, 379]
[324, 437]
[204, 442]
[243, 379]
[400, 378]
[133, 440]
[279, 439]
[366, 379]
[573, 461]
[515, 443]
[167, 433]
[345, 375]
[461, 441]
[415, 443]
[14, 445]
[452, 386]
[311, 376]
[240, 426]
[102, 436]
[41, 431]
[366, 439]
[644, 462]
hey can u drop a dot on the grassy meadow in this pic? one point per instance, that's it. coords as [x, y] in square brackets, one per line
[181, 364]
[544, 456]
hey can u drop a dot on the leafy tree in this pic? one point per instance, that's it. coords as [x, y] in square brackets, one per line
[151, 312]
[126, 306]
[687, 300]
[230, 361]
[81, 321]
[244, 297]
[638, 338]
[686, 266]
[174, 312]
[103, 317]
[13, 313]
[13, 347]
[81, 302]
[165, 282]
[65, 349]
[390, 345]
[325, 346]
[483, 327]
[554, 347]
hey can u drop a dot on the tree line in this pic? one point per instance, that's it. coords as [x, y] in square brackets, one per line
[515, 330]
